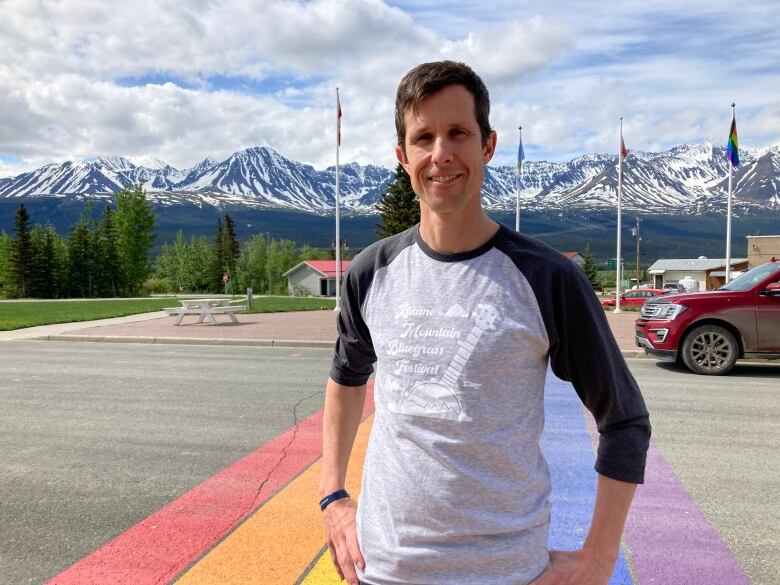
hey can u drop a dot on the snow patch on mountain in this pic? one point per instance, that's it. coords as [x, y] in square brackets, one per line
[687, 177]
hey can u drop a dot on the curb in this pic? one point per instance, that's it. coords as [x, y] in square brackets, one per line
[225, 342]
[189, 341]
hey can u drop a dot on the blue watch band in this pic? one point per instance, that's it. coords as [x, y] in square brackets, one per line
[329, 499]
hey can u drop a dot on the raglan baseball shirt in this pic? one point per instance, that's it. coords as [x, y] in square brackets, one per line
[455, 488]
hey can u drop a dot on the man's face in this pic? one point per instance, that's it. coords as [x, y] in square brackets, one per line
[445, 157]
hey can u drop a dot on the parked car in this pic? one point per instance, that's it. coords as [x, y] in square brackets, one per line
[710, 331]
[633, 298]
[673, 287]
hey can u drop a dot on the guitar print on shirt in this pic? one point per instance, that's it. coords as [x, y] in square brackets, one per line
[438, 398]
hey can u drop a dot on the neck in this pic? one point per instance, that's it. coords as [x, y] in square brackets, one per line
[454, 233]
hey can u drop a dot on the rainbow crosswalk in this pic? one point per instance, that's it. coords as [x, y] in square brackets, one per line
[257, 521]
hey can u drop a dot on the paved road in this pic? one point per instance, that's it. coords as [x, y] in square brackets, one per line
[95, 437]
[721, 436]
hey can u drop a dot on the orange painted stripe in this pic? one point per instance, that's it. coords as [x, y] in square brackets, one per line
[279, 542]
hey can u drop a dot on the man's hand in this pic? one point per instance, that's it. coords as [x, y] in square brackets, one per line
[582, 567]
[341, 532]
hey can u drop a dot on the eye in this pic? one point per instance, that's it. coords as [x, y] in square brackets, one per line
[421, 138]
[458, 132]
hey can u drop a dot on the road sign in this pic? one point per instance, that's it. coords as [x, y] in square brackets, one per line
[611, 264]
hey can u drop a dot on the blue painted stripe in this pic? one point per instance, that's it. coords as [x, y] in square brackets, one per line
[566, 445]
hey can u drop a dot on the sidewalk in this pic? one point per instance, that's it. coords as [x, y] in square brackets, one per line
[293, 329]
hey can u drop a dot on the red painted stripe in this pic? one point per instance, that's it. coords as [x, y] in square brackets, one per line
[158, 548]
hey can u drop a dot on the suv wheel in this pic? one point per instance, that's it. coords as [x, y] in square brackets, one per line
[710, 350]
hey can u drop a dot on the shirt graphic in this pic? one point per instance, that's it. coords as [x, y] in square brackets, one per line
[438, 397]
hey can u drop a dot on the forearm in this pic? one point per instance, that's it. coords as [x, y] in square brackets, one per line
[613, 500]
[343, 411]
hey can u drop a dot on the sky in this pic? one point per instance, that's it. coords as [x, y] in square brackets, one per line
[180, 81]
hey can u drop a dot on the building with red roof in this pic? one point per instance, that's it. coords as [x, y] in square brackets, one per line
[316, 278]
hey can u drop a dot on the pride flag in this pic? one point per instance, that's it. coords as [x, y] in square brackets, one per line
[732, 147]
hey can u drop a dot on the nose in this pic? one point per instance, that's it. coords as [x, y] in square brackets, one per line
[441, 151]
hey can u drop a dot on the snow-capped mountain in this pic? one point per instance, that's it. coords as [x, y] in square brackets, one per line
[685, 178]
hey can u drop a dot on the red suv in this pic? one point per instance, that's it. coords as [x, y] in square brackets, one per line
[634, 298]
[709, 331]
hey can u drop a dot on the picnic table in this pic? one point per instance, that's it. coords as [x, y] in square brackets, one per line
[205, 309]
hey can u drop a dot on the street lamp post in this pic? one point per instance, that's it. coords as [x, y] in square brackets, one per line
[636, 233]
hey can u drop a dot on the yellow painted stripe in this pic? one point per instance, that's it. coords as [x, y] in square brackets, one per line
[278, 543]
[323, 573]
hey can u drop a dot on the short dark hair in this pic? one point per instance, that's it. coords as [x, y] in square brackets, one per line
[427, 79]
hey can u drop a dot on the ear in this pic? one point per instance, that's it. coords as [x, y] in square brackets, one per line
[399, 154]
[490, 147]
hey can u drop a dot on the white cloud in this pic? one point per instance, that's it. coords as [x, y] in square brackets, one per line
[512, 52]
[82, 78]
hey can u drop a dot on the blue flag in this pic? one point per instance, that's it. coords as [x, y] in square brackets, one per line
[520, 159]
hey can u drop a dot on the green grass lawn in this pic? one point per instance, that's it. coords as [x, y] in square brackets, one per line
[16, 315]
[281, 304]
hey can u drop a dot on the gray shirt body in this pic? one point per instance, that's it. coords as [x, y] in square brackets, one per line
[455, 487]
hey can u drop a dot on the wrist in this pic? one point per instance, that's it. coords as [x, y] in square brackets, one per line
[334, 497]
[607, 553]
[328, 488]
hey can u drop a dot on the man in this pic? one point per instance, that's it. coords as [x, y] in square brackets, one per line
[462, 317]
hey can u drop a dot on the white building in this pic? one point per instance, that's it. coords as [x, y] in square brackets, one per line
[710, 272]
[316, 278]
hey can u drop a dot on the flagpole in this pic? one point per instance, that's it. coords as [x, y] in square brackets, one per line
[728, 212]
[618, 259]
[519, 178]
[338, 233]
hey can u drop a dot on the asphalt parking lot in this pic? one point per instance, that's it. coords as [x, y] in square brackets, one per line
[98, 436]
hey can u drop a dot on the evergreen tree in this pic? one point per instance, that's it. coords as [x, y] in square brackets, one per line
[41, 270]
[590, 268]
[108, 265]
[81, 260]
[218, 260]
[5, 264]
[60, 263]
[21, 253]
[231, 250]
[201, 257]
[49, 263]
[399, 208]
[134, 222]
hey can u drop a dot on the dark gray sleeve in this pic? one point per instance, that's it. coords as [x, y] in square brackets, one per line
[354, 355]
[583, 351]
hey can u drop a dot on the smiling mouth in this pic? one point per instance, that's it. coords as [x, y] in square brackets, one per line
[443, 178]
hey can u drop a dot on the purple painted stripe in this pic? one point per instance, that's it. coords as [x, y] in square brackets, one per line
[669, 538]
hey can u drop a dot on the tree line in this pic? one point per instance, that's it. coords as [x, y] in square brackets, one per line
[201, 264]
[111, 257]
[108, 257]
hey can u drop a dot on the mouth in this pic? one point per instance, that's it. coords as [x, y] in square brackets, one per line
[444, 179]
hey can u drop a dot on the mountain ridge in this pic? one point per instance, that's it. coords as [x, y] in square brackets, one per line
[685, 178]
